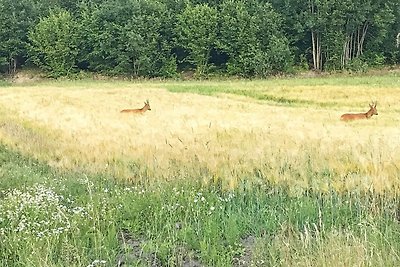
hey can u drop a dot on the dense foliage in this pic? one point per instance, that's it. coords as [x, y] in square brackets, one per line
[160, 38]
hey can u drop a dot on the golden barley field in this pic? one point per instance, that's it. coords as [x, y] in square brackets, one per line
[284, 131]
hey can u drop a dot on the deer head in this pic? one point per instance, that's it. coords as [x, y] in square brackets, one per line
[147, 105]
[373, 108]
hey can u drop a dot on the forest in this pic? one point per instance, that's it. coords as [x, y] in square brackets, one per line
[162, 38]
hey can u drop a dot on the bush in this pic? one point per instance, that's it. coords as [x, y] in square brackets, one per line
[357, 65]
[197, 32]
[53, 44]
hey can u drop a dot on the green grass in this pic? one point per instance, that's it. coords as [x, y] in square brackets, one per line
[277, 91]
[255, 94]
[53, 218]
[4, 83]
[203, 87]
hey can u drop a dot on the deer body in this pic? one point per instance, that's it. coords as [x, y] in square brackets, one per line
[358, 116]
[138, 110]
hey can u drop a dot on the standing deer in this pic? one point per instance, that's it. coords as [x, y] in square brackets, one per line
[372, 111]
[138, 110]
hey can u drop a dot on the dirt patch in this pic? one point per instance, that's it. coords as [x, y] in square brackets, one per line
[27, 77]
[246, 258]
[133, 253]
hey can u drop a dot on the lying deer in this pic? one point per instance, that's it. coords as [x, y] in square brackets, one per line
[358, 116]
[138, 110]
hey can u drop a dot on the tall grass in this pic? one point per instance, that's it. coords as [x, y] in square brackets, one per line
[224, 179]
[53, 218]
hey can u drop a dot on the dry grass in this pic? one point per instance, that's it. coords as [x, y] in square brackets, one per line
[75, 124]
[337, 248]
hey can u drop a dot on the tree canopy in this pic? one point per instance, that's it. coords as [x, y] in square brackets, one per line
[160, 38]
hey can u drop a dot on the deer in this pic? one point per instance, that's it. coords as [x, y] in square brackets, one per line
[138, 110]
[357, 116]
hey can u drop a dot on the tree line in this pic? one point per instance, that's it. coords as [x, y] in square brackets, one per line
[160, 38]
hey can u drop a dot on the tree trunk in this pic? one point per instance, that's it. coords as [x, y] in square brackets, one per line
[316, 50]
[313, 49]
[354, 44]
[362, 39]
[319, 53]
[346, 56]
[315, 40]
[12, 65]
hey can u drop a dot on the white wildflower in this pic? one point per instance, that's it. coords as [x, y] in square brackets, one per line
[97, 262]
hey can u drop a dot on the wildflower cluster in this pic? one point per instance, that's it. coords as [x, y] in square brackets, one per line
[36, 212]
[196, 201]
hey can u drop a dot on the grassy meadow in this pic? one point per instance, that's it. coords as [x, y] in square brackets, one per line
[218, 173]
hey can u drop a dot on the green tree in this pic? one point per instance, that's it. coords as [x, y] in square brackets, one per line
[251, 35]
[274, 45]
[126, 37]
[384, 24]
[16, 17]
[53, 44]
[238, 38]
[294, 16]
[196, 32]
[341, 34]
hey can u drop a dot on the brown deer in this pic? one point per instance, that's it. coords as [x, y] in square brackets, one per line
[357, 116]
[138, 110]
